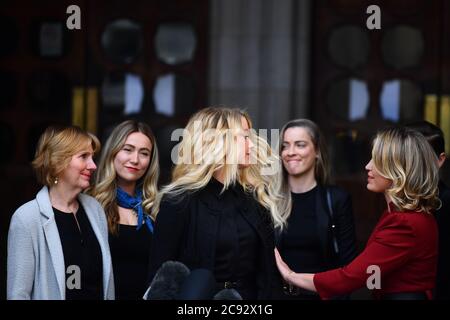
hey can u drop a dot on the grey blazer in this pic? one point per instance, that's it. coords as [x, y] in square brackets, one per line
[36, 268]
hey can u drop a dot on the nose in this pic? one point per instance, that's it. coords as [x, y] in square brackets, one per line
[369, 165]
[291, 150]
[91, 165]
[134, 157]
[250, 144]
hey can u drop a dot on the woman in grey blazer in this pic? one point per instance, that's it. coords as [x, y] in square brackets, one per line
[58, 243]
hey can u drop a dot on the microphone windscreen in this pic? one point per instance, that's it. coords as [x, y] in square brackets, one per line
[227, 294]
[167, 282]
[199, 285]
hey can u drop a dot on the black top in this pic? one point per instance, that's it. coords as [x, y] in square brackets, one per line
[229, 234]
[443, 222]
[301, 248]
[130, 250]
[236, 243]
[81, 249]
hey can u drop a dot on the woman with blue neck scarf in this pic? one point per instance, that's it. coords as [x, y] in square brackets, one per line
[126, 186]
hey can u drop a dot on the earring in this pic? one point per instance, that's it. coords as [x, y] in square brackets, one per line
[56, 180]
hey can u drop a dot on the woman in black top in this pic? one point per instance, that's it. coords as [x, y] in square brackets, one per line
[219, 209]
[58, 243]
[320, 231]
[126, 186]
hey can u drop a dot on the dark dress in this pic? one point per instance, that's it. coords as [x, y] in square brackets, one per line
[130, 250]
[82, 250]
[306, 245]
[229, 234]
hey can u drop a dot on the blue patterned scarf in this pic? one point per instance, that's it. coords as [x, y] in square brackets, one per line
[124, 200]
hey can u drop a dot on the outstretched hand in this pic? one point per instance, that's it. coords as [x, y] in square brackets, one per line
[284, 269]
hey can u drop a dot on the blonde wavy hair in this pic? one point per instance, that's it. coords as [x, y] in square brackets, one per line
[202, 154]
[55, 149]
[321, 166]
[104, 189]
[406, 158]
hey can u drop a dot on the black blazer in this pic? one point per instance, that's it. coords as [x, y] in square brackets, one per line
[340, 226]
[443, 221]
[186, 231]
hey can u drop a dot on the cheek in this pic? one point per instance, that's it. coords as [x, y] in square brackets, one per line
[117, 162]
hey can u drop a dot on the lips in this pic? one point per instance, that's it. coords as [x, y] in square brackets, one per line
[132, 169]
[88, 176]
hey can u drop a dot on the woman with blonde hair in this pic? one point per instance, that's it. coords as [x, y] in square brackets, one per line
[126, 187]
[219, 210]
[58, 243]
[400, 258]
[320, 233]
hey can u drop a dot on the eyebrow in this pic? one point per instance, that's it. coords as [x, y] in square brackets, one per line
[134, 147]
[284, 141]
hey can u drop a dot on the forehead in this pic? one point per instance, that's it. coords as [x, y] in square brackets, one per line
[85, 147]
[244, 124]
[296, 133]
[138, 139]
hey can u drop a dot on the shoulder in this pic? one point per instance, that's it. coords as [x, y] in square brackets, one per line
[408, 222]
[175, 205]
[338, 192]
[90, 204]
[89, 201]
[27, 212]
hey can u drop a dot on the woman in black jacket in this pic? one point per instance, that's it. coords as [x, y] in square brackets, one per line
[320, 232]
[219, 210]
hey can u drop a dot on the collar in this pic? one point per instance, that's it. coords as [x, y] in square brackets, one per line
[216, 187]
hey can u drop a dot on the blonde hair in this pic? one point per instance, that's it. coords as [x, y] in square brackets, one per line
[406, 158]
[104, 189]
[321, 166]
[55, 149]
[203, 154]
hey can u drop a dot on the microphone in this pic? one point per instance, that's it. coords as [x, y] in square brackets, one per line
[199, 285]
[167, 282]
[227, 294]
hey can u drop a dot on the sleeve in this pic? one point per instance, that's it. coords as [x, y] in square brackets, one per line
[389, 250]
[103, 223]
[167, 237]
[21, 261]
[346, 235]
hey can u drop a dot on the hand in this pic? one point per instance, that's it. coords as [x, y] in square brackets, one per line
[284, 269]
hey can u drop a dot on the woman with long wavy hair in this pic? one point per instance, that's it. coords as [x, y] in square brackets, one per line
[320, 232]
[126, 187]
[219, 211]
[400, 258]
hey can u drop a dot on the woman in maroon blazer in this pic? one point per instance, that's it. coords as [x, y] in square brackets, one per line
[399, 261]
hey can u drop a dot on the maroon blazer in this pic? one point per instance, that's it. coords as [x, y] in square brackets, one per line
[404, 245]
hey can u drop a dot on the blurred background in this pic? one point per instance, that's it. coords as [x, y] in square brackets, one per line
[161, 60]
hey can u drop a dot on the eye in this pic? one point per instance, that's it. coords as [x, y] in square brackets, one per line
[127, 149]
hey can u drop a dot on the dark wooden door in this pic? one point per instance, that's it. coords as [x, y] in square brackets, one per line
[364, 80]
[90, 77]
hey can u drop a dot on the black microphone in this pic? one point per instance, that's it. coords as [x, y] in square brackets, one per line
[167, 283]
[199, 285]
[227, 294]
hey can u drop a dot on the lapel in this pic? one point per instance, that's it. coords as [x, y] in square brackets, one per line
[52, 239]
[323, 218]
[91, 214]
